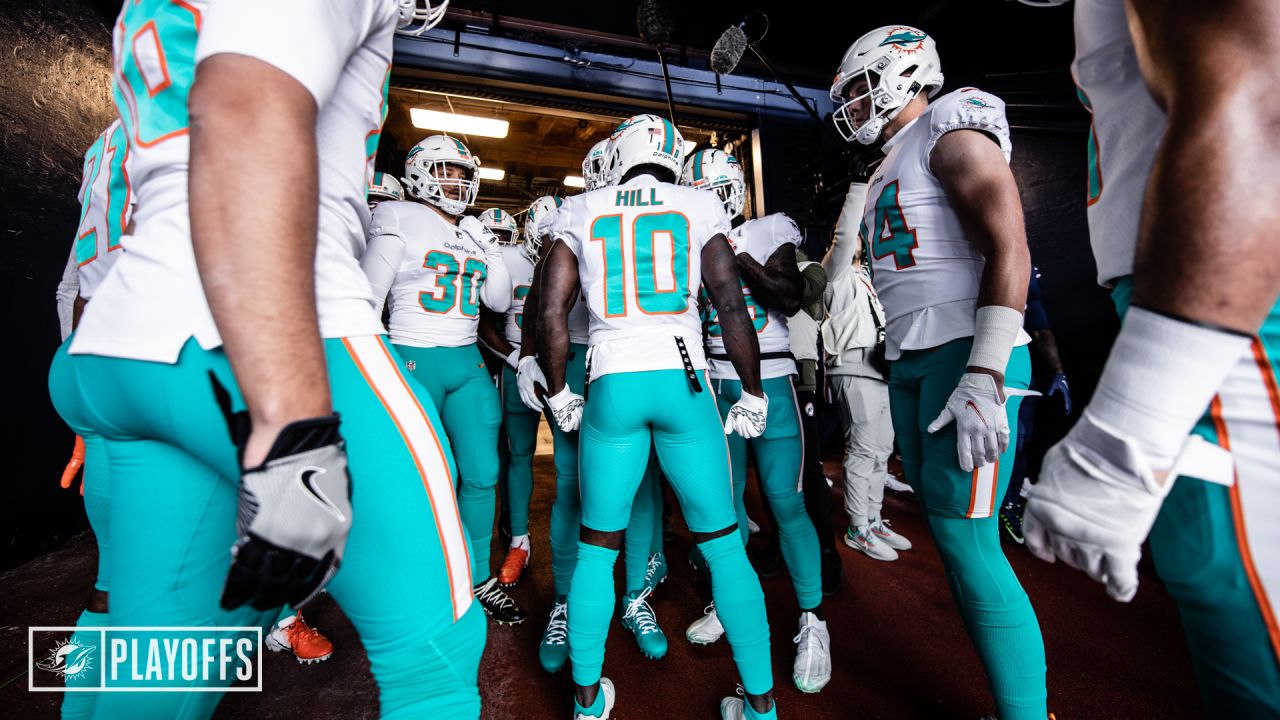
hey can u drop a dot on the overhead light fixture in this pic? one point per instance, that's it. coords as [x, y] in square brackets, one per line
[574, 181]
[493, 173]
[460, 124]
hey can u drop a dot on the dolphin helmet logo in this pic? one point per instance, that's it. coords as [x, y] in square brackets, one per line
[905, 39]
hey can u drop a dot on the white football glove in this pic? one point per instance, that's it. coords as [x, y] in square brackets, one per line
[513, 359]
[566, 407]
[528, 372]
[747, 417]
[481, 235]
[1094, 504]
[982, 430]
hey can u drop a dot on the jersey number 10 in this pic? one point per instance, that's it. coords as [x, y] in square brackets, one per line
[673, 227]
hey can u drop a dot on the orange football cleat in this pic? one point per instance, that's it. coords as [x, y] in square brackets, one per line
[513, 566]
[306, 643]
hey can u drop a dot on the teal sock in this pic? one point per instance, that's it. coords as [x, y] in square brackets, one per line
[591, 600]
[476, 506]
[597, 707]
[638, 537]
[286, 611]
[566, 518]
[655, 490]
[997, 613]
[740, 606]
[76, 705]
[799, 543]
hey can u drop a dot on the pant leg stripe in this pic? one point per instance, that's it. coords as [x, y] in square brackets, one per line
[1246, 414]
[383, 376]
[982, 491]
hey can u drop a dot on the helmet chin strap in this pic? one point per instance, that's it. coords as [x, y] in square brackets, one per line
[869, 131]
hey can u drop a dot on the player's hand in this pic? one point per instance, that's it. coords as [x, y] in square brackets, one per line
[73, 466]
[1059, 385]
[481, 235]
[982, 430]
[566, 406]
[747, 417]
[528, 374]
[293, 519]
[1094, 504]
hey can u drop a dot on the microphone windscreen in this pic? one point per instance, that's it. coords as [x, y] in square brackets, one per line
[653, 21]
[728, 50]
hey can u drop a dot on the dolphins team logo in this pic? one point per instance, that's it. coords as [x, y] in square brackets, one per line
[905, 40]
[70, 659]
[977, 101]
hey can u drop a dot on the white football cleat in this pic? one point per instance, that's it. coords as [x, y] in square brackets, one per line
[812, 670]
[706, 629]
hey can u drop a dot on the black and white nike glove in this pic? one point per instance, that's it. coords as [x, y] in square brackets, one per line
[293, 519]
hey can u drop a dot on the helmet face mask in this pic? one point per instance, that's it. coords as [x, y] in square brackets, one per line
[896, 63]
[537, 211]
[419, 16]
[441, 171]
[502, 225]
[593, 171]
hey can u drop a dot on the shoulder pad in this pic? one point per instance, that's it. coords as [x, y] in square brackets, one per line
[970, 109]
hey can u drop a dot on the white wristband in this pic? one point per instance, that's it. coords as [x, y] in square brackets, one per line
[994, 331]
[1159, 379]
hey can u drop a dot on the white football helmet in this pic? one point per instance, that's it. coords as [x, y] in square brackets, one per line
[898, 62]
[593, 166]
[644, 140]
[502, 225]
[419, 16]
[717, 170]
[384, 187]
[538, 212]
[424, 173]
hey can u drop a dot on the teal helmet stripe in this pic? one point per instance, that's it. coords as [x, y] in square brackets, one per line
[558, 200]
[697, 165]
[497, 214]
[669, 137]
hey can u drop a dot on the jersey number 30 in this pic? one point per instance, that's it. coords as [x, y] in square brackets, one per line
[447, 293]
[647, 231]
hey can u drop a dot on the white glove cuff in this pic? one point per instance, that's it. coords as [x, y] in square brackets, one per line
[522, 362]
[995, 330]
[1159, 379]
[513, 359]
[560, 398]
[754, 403]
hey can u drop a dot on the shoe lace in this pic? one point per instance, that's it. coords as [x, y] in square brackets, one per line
[639, 611]
[558, 625]
[710, 608]
[491, 593]
[652, 569]
[806, 637]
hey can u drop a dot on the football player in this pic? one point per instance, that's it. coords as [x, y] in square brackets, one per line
[106, 201]
[639, 253]
[566, 514]
[943, 224]
[1184, 169]
[236, 294]
[384, 187]
[501, 334]
[438, 265]
[771, 288]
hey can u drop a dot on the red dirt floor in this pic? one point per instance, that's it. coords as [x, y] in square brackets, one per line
[899, 648]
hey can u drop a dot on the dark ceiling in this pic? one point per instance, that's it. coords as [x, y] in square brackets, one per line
[976, 38]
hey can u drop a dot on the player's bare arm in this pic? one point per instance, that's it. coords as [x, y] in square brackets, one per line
[777, 284]
[559, 281]
[490, 332]
[720, 276]
[982, 191]
[255, 243]
[1207, 243]
[529, 318]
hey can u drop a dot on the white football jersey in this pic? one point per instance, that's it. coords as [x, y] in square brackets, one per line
[521, 271]
[340, 51]
[105, 203]
[925, 270]
[639, 249]
[1127, 127]
[759, 238]
[435, 272]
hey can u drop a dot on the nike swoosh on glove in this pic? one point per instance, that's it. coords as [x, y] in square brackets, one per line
[566, 406]
[1094, 504]
[748, 416]
[528, 374]
[982, 430]
[293, 519]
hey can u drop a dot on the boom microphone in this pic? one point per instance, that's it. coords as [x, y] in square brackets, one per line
[728, 50]
[653, 21]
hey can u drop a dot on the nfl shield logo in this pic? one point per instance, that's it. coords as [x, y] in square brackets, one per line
[411, 365]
